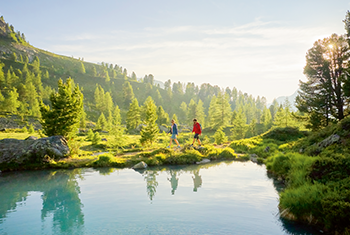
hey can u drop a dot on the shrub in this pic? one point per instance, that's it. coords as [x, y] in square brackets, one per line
[330, 168]
[96, 139]
[304, 201]
[220, 136]
[279, 164]
[24, 129]
[31, 129]
[90, 135]
[228, 153]
[285, 134]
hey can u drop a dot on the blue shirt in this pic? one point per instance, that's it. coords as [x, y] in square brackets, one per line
[174, 132]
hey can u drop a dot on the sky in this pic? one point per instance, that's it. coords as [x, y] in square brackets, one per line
[256, 46]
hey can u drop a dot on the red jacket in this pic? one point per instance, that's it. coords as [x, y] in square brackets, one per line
[197, 128]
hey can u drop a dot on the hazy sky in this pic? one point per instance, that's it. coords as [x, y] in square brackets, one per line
[256, 46]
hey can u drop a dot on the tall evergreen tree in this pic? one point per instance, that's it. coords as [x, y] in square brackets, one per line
[11, 102]
[63, 117]
[326, 70]
[128, 94]
[133, 118]
[82, 68]
[102, 122]
[239, 124]
[163, 117]
[150, 131]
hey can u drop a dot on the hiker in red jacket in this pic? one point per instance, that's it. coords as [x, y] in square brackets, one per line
[197, 129]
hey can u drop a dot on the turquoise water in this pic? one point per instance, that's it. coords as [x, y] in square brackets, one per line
[215, 198]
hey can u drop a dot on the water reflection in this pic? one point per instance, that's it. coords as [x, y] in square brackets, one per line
[150, 177]
[175, 188]
[60, 197]
[174, 181]
[197, 180]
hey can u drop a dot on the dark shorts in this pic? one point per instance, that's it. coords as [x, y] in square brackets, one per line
[196, 136]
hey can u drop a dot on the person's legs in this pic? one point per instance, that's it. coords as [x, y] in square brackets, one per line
[171, 140]
[199, 142]
[177, 142]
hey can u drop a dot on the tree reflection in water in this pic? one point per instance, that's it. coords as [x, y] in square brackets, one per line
[174, 181]
[60, 195]
[151, 181]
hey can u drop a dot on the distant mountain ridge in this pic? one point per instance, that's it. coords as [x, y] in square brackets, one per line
[291, 99]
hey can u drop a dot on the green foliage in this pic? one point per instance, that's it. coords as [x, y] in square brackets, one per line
[96, 138]
[24, 129]
[102, 122]
[133, 118]
[228, 153]
[285, 134]
[150, 131]
[31, 129]
[66, 107]
[220, 136]
[304, 201]
[90, 135]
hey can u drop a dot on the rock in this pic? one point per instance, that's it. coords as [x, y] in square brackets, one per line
[204, 160]
[163, 128]
[328, 141]
[33, 150]
[31, 138]
[267, 149]
[140, 165]
[301, 150]
[103, 139]
[254, 157]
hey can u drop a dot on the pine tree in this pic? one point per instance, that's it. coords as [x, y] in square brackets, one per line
[128, 94]
[66, 107]
[213, 112]
[108, 103]
[102, 122]
[183, 112]
[133, 77]
[239, 124]
[11, 102]
[94, 72]
[200, 113]
[133, 116]
[150, 131]
[2, 77]
[224, 110]
[82, 68]
[163, 117]
[106, 75]
[266, 119]
[220, 136]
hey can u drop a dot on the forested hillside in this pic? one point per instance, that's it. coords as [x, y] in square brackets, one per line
[29, 75]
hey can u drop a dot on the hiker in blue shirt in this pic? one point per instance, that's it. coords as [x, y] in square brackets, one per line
[174, 133]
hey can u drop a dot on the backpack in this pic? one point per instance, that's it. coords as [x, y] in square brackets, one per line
[200, 126]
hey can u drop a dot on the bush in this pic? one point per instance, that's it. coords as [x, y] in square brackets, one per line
[31, 129]
[304, 202]
[245, 145]
[330, 168]
[228, 153]
[96, 139]
[279, 164]
[24, 129]
[220, 136]
[90, 135]
[285, 134]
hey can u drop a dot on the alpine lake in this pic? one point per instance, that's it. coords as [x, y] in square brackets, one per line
[215, 198]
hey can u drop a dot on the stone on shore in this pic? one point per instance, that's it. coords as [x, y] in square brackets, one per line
[32, 149]
[140, 165]
[204, 160]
